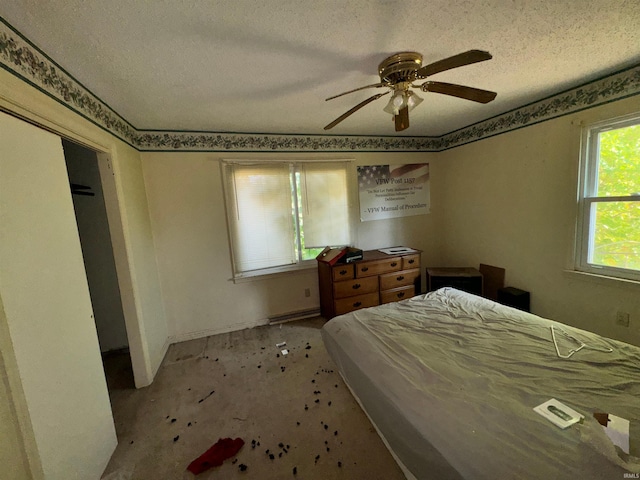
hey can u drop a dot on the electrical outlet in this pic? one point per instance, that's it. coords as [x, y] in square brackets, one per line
[307, 293]
[622, 319]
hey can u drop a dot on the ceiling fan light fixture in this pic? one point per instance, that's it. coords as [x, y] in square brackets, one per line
[414, 100]
[397, 102]
[402, 99]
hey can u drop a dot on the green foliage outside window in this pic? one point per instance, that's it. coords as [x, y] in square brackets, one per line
[305, 253]
[617, 225]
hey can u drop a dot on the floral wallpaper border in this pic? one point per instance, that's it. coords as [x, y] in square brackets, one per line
[614, 87]
[23, 59]
[26, 61]
[205, 141]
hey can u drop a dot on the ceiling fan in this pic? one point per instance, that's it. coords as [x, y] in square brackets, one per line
[399, 71]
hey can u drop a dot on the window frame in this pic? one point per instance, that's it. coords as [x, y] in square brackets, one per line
[588, 199]
[294, 166]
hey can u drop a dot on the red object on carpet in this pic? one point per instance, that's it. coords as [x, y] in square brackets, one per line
[224, 448]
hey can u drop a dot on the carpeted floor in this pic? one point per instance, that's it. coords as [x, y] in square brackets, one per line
[296, 416]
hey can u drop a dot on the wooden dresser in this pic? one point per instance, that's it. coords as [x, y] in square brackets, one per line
[377, 278]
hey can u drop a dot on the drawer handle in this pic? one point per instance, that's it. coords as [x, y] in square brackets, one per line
[357, 304]
[400, 278]
[364, 269]
[342, 272]
[411, 261]
[393, 264]
[356, 286]
[400, 294]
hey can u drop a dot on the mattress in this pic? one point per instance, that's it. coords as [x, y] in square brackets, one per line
[450, 381]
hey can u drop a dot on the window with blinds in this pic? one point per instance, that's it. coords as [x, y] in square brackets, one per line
[281, 214]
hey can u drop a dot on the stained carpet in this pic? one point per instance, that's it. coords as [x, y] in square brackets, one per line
[296, 416]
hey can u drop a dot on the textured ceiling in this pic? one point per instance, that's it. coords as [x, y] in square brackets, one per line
[266, 67]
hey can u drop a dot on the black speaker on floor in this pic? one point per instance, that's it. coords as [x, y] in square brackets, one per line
[514, 297]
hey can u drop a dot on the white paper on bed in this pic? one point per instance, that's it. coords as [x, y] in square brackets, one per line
[617, 429]
[558, 413]
[450, 379]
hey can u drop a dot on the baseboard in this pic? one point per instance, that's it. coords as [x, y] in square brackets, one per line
[115, 352]
[287, 317]
[165, 349]
[183, 337]
[297, 315]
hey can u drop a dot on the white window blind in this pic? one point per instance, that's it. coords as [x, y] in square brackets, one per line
[260, 220]
[325, 204]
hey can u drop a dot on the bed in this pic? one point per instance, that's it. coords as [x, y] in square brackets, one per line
[450, 379]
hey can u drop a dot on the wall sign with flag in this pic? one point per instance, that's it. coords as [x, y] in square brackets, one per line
[390, 191]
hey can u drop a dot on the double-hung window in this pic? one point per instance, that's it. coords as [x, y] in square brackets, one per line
[281, 214]
[609, 227]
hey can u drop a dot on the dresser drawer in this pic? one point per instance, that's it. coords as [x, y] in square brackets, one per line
[356, 286]
[376, 267]
[411, 261]
[341, 272]
[377, 277]
[350, 304]
[399, 279]
[397, 294]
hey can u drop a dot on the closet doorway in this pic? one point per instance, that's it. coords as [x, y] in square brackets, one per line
[83, 169]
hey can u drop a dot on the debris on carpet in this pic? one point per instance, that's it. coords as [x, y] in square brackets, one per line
[203, 399]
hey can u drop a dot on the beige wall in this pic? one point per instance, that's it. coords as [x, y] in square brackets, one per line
[510, 201]
[141, 296]
[190, 231]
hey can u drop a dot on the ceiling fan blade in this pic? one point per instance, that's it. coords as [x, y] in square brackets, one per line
[460, 91]
[353, 110]
[358, 89]
[466, 58]
[402, 119]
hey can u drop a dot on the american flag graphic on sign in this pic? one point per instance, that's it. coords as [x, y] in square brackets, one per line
[388, 191]
[370, 176]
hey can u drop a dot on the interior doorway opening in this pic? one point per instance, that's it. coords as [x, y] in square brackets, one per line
[90, 209]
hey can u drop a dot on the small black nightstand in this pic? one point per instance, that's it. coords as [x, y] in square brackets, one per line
[467, 279]
[514, 297]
